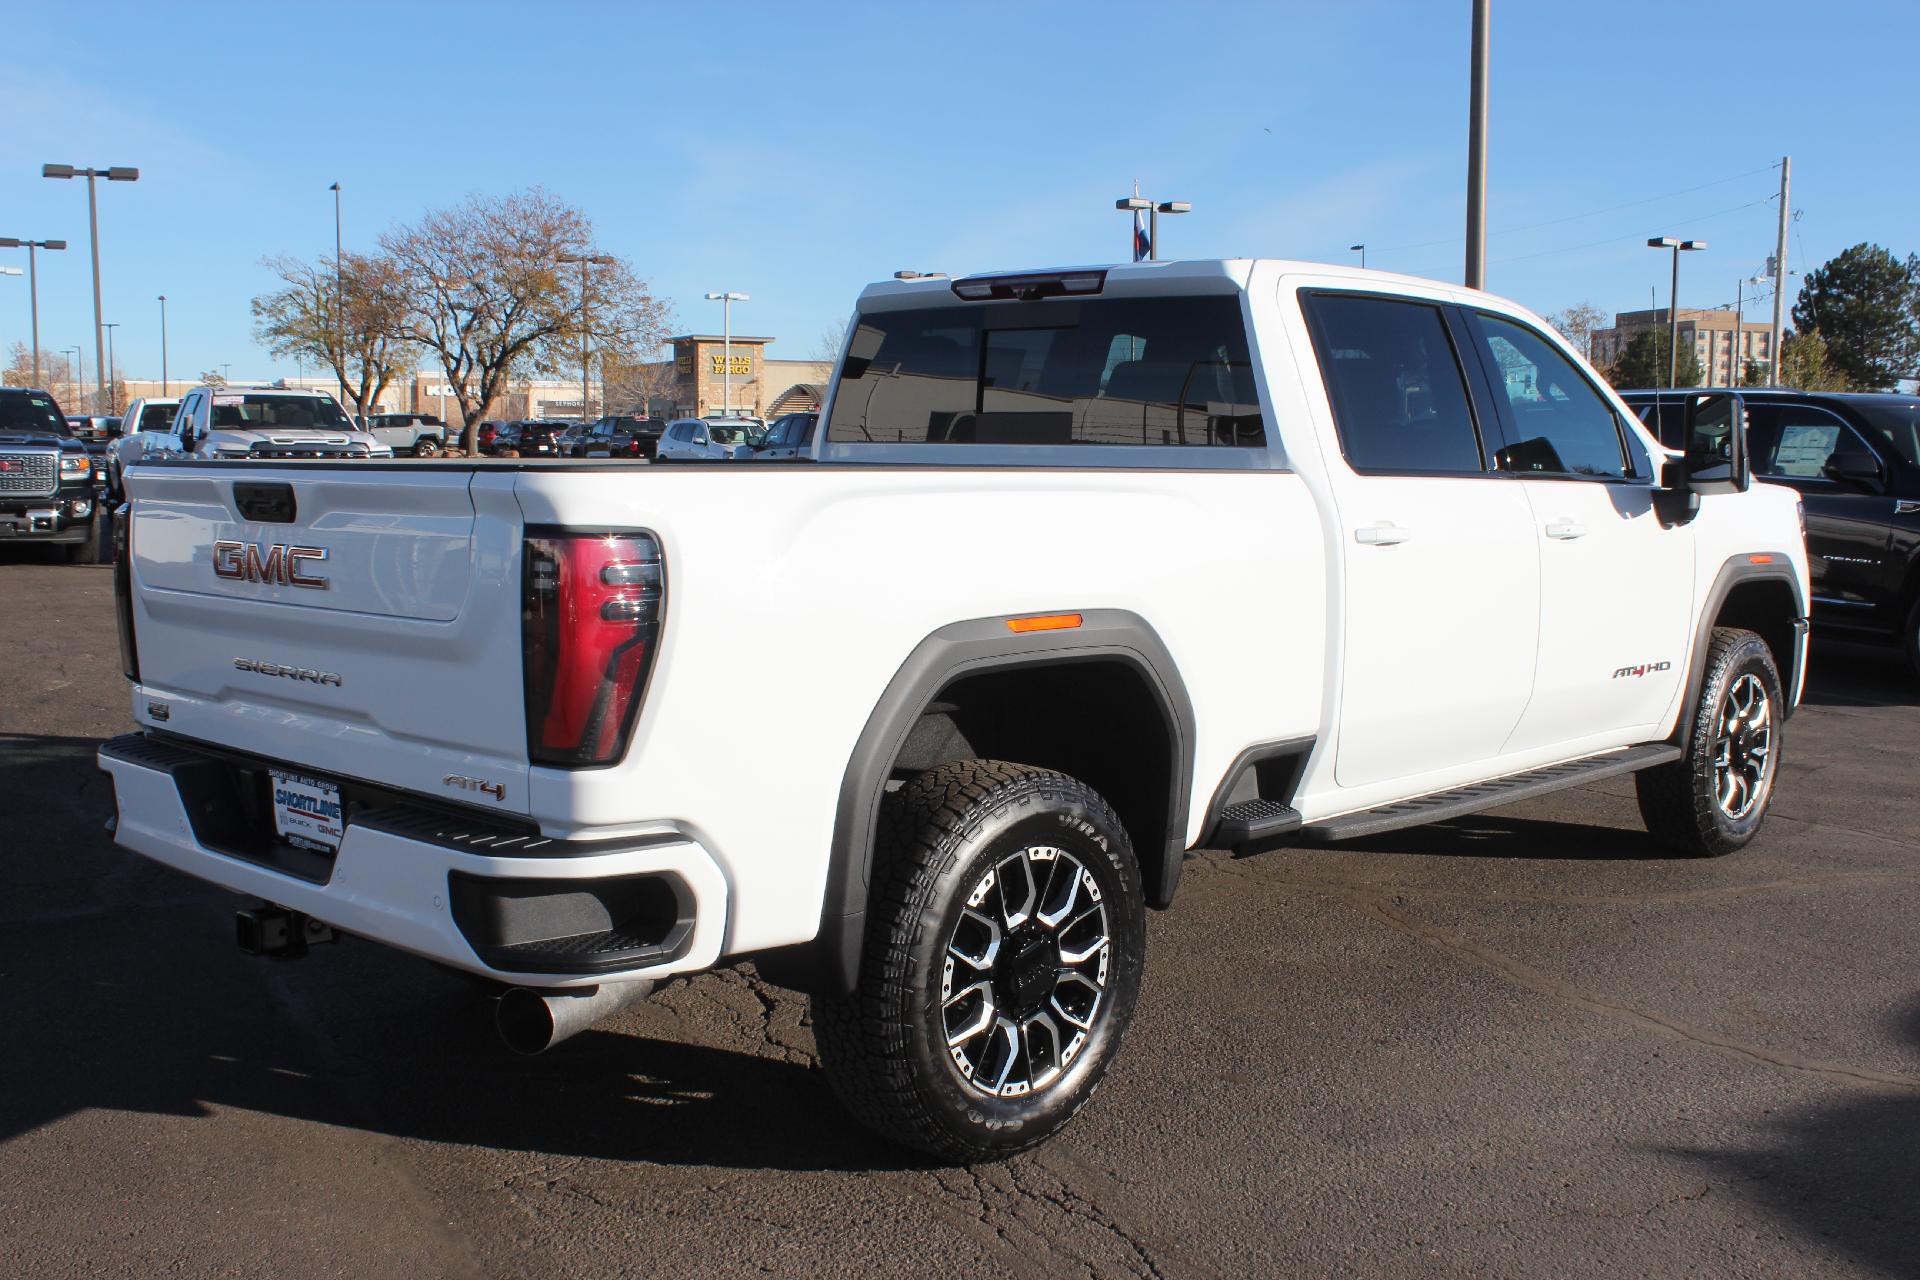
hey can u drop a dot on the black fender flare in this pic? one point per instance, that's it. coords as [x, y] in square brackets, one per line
[1738, 570]
[963, 649]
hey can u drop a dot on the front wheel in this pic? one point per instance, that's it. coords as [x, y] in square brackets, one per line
[1713, 799]
[1006, 931]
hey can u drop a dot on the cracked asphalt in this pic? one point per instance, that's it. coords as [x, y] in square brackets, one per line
[1520, 1044]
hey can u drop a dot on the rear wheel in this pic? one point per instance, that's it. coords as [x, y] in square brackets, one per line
[1713, 799]
[1006, 932]
[426, 447]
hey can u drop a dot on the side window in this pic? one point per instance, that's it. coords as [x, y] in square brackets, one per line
[1399, 401]
[1560, 424]
[1796, 442]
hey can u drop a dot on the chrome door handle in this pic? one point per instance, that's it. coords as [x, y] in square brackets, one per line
[1383, 534]
[1566, 530]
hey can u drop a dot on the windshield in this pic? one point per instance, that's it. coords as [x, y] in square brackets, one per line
[1109, 371]
[257, 411]
[32, 413]
[1898, 424]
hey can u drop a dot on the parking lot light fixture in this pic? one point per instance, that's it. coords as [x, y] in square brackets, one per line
[115, 173]
[164, 392]
[585, 260]
[1136, 205]
[726, 301]
[33, 288]
[1678, 247]
[1360, 249]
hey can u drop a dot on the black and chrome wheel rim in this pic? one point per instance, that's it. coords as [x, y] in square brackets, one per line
[1024, 978]
[1743, 748]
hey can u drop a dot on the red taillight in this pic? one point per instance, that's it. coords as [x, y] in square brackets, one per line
[590, 614]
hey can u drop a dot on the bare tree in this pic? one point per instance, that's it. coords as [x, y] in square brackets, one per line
[1577, 324]
[490, 298]
[352, 324]
[636, 385]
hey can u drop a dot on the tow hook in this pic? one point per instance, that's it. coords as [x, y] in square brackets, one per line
[269, 930]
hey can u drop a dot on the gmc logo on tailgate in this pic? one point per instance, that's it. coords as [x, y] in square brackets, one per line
[273, 562]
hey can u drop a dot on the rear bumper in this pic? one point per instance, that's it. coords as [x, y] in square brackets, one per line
[484, 900]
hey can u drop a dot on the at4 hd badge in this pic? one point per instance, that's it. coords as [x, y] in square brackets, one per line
[1644, 669]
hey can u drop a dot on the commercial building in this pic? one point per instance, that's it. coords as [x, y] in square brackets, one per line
[1722, 343]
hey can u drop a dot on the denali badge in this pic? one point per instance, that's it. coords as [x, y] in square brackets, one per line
[1644, 669]
[292, 673]
[275, 562]
[498, 790]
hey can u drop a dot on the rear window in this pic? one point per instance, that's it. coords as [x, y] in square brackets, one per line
[156, 417]
[1119, 371]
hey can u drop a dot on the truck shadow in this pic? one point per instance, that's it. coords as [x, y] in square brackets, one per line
[1843, 674]
[1492, 835]
[1846, 1174]
[120, 989]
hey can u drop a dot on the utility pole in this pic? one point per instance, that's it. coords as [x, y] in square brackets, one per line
[163, 346]
[1477, 152]
[1780, 268]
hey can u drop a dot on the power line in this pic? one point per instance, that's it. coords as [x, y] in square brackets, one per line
[1590, 213]
[1698, 217]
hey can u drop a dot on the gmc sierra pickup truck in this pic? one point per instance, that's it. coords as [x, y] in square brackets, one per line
[1090, 568]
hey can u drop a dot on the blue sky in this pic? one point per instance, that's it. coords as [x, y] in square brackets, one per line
[795, 151]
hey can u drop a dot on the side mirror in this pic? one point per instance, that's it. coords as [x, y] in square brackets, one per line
[1854, 469]
[115, 430]
[1716, 440]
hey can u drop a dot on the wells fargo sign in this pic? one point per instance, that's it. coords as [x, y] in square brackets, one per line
[741, 367]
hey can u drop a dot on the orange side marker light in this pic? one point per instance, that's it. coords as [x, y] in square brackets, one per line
[1045, 622]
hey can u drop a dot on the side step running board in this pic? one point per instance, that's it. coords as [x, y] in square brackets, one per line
[1474, 797]
[1253, 825]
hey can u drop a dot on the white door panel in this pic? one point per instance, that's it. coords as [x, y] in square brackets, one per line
[1442, 607]
[1615, 600]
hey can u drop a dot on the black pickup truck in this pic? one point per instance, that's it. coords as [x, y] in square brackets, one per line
[47, 489]
[1855, 458]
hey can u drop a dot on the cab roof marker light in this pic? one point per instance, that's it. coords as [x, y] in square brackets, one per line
[1031, 286]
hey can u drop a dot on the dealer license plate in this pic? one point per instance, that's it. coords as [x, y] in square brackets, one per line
[306, 811]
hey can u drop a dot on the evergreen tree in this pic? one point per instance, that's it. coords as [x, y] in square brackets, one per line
[1644, 363]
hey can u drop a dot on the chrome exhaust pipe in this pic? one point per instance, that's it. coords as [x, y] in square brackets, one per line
[533, 1021]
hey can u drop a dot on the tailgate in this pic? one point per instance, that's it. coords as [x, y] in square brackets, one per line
[360, 621]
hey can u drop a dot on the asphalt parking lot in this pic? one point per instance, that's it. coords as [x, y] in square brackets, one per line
[1520, 1044]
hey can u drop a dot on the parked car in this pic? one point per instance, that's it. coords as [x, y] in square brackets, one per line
[486, 435]
[1854, 458]
[420, 434]
[147, 421]
[261, 422]
[704, 440]
[530, 438]
[790, 436]
[621, 436]
[47, 486]
[1475, 578]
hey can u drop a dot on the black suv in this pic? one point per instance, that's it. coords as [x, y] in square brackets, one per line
[620, 436]
[1855, 458]
[46, 475]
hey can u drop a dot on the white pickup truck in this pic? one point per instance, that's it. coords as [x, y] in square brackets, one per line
[1090, 568]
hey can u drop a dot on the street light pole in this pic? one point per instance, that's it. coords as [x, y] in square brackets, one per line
[78, 369]
[586, 260]
[164, 391]
[726, 301]
[111, 365]
[1135, 205]
[339, 296]
[1477, 151]
[33, 288]
[117, 173]
[1673, 303]
[1362, 251]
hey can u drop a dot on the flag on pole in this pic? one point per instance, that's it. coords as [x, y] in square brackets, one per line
[1142, 242]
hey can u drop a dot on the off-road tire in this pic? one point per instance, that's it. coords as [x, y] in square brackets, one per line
[1680, 801]
[885, 1046]
[426, 447]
